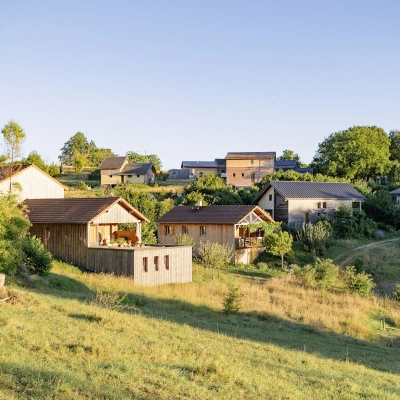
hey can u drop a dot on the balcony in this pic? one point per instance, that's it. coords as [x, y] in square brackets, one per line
[241, 243]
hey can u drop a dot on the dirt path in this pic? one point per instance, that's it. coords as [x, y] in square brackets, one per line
[383, 242]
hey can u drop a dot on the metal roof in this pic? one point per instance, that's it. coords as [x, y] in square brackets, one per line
[312, 190]
[74, 210]
[250, 155]
[199, 164]
[211, 214]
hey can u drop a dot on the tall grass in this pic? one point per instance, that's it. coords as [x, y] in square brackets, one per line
[76, 335]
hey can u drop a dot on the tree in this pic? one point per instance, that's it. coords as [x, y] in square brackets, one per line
[360, 152]
[14, 136]
[279, 244]
[77, 143]
[35, 158]
[139, 158]
[289, 155]
[214, 255]
[394, 148]
[14, 226]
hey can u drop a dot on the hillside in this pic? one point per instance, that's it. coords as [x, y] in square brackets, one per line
[74, 335]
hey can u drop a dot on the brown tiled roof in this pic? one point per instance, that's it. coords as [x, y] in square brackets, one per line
[251, 155]
[112, 162]
[6, 171]
[137, 169]
[73, 211]
[211, 214]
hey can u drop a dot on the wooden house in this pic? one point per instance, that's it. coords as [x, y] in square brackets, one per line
[201, 168]
[74, 230]
[297, 202]
[221, 224]
[245, 169]
[32, 182]
[119, 170]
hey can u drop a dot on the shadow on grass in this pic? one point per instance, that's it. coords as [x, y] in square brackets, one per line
[262, 328]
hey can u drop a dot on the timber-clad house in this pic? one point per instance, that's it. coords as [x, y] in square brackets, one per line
[244, 169]
[221, 224]
[119, 170]
[297, 202]
[73, 230]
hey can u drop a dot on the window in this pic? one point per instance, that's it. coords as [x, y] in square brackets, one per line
[242, 175]
[202, 231]
[168, 230]
[253, 175]
[110, 176]
[270, 197]
[200, 174]
[185, 230]
[166, 262]
[145, 264]
[138, 176]
[156, 263]
[234, 174]
[251, 161]
[129, 176]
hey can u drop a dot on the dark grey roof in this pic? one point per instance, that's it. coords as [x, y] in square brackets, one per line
[285, 164]
[250, 155]
[113, 162]
[312, 190]
[395, 191]
[74, 210]
[199, 164]
[211, 214]
[137, 169]
[221, 162]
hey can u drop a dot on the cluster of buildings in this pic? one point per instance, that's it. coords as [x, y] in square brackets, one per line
[76, 230]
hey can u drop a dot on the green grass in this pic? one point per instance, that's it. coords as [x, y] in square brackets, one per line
[74, 335]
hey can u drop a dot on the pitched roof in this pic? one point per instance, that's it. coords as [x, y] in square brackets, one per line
[312, 190]
[199, 164]
[211, 214]
[285, 164]
[395, 191]
[113, 162]
[74, 210]
[137, 169]
[251, 155]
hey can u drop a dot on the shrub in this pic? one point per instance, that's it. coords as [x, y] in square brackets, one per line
[231, 301]
[184, 240]
[36, 258]
[316, 237]
[94, 175]
[361, 283]
[213, 255]
[82, 185]
[323, 274]
[396, 293]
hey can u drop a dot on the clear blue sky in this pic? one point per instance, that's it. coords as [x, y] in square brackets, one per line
[193, 80]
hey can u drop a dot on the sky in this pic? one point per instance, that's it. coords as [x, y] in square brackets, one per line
[191, 80]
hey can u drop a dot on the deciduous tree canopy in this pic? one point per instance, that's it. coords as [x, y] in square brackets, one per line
[360, 152]
[139, 158]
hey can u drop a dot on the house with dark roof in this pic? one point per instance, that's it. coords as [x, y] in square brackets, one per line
[119, 170]
[227, 225]
[290, 165]
[198, 169]
[395, 195]
[244, 169]
[29, 182]
[79, 231]
[295, 202]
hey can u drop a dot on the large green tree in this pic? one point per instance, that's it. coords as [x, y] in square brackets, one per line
[140, 158]
[394, 148]
[35, 158]
[360, 152]
[289, 155]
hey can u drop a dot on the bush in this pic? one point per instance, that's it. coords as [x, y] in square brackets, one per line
[361, 283]
[82, 186]
[184, 240]
[94, 175]
[316, 237]
[396, 293]
[231, 301]
[36, 258]
[323, 274]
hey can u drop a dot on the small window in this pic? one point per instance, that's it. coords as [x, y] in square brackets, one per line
[253, 175]
[156, 263]
[145, 264]
[168, 230]
[166, 262]
[138, 176]
[129, 176]
[324, 204]
[234, 175]
[270, 197]
[200, 174]
[110, 176]
[242, 175]
[202, 231]
[251, 161]
[185, 230]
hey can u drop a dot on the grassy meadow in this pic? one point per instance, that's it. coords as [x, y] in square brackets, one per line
[75, 335]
